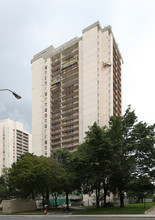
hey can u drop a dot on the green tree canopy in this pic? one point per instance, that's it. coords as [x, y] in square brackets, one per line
[133, 150]
[33, 175]
[92, 161]
[69, 178]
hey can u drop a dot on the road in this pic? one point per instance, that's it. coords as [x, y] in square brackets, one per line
[61, 217]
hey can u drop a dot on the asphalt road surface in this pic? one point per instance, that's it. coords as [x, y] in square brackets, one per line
[68, 217]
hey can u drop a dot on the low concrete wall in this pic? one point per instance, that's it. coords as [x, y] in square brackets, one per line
[10, 206]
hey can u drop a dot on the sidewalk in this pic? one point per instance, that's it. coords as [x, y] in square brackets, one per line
[151, 211]
[149, 214]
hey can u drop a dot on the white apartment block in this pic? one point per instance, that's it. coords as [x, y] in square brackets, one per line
[14, 142]
[73, 86]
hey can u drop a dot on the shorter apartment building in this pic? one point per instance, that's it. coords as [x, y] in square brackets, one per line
[14, 141]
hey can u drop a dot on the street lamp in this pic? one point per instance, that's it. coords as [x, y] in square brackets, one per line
[15, 94]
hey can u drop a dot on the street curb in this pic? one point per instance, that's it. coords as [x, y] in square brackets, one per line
[96, 216]
[116, 216]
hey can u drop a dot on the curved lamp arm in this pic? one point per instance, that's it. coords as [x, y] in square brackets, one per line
[15, 94]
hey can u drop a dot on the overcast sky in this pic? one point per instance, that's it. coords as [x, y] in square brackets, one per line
[29, 26]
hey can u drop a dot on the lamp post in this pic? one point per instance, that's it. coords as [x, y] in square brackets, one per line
[15, 94]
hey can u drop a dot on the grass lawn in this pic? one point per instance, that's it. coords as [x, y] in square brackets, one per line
[129, 209]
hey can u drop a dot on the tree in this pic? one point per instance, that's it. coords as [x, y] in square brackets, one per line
[123, 162]
[69, 177]
[92, 161]
[4, 187]
[56, 180]
[33, 175]
[133, 151]
[144, 136]
[139, 188]
[23, 175]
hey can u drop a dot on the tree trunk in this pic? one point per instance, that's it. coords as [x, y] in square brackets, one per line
[105, 197]
[105, 194]
[55, 198]
[43, 202]
[97, 198]
[33, 196]
[139, 200]
[121, 199]
[67, 202]
[47, 199]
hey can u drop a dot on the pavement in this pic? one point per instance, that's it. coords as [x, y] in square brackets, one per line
[151, 211]
[148, 214]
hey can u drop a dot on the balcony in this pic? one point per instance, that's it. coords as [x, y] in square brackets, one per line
[56, 145]
[70, 113]
[55, 141]
[56, 137]
[70, 78]
[55, 148]
[71, 55]
[70, 127]
[72, 97]
[56, 105]
[55, 120]
[70, 143]
[55, 110]
[56, 63]
[71, 136]
[69, 89]
[55, 117]
[70, 83]
[70, 121]
[56, 132]
[70, 50]
[55, 98]
[69, 73]
[71, 107]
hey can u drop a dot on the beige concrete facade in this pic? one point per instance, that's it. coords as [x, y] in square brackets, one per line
[12, 206]
[73, 86]
[14, 141]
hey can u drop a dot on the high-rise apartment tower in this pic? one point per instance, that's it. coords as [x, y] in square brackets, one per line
[14, 141]
[73, 86]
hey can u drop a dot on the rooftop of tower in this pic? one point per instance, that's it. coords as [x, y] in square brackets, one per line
[51, 50]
